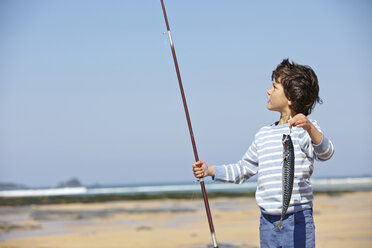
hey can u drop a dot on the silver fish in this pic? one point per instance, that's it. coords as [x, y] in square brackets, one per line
[287, 175]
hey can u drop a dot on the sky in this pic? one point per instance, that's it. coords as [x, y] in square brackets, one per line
[88, 89]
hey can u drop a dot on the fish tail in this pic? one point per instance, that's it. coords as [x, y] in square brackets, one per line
[280, 225]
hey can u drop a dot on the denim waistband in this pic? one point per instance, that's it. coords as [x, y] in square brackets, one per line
[277, 217]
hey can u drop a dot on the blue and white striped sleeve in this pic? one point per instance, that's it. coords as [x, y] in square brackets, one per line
[322, 151]
[240, 171]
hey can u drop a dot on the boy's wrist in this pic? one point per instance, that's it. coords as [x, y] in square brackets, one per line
[210, 171]
[315, 135]
[310, 127]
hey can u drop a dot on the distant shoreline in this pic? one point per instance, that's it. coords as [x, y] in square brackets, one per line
[82, 194]
[24, 201]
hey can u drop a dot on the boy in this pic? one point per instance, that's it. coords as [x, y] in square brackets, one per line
[294, 93]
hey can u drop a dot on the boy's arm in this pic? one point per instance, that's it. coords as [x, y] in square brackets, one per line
[321, 148]
[300, 120]
[232, 173]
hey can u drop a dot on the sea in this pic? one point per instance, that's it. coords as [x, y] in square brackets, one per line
[319, 185]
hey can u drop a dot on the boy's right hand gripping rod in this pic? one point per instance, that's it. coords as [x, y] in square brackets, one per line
[190, 130]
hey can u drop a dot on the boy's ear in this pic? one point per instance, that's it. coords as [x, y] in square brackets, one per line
[290, 103]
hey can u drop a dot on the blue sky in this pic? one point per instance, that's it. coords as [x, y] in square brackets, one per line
[88, 88]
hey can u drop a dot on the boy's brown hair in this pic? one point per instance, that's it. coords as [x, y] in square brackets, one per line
[300, 85]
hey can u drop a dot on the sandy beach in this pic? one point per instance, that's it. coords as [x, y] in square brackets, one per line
[342, 220]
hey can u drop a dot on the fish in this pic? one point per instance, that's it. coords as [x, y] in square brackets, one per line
[287, 176]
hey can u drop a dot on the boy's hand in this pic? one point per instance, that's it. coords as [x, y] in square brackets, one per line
[300, 120]
[201, 169]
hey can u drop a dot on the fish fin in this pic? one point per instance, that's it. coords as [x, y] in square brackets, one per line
[280, 225]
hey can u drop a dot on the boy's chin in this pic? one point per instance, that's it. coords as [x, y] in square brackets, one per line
[270, 108]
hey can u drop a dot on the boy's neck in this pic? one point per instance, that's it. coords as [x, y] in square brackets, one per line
[284, 118]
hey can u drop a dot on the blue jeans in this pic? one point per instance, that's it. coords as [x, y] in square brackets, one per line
[298, 230]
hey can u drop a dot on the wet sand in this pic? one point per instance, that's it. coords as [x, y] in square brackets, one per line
[342, 220]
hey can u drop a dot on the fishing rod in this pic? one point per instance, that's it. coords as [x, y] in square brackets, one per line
[205, 197]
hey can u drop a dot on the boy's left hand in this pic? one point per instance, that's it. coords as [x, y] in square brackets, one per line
[300, 120]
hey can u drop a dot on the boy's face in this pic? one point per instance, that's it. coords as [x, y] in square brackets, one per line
[277, 101]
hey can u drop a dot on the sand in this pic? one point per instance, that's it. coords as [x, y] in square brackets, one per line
[342, 220]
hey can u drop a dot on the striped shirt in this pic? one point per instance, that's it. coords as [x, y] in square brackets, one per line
[264, 158]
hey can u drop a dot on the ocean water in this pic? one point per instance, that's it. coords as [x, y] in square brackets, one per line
[319, 184]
